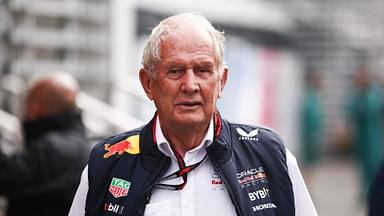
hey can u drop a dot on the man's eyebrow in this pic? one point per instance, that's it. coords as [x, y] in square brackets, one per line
[197, 63]
[206, 63]
[172, 64]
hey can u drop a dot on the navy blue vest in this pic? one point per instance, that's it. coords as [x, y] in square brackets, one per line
[251, 161]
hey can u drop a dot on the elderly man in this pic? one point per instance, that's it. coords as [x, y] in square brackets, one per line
[42, 179]
[188, 160]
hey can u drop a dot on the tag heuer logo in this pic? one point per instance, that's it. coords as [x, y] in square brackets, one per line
[247, 136]
[119, 187]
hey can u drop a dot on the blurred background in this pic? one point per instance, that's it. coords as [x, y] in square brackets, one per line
[311, 70]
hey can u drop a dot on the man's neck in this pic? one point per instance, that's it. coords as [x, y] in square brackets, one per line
[183, 139]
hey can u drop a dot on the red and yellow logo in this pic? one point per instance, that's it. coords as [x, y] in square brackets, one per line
[131, 145]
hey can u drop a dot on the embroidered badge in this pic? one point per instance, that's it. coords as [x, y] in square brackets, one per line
[217, 183]
[251, 177]
[130, 145]
[252, 135]
[119, 187]
[135, 144]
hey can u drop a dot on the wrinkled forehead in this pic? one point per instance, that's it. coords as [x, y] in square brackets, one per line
[186, 36]
[187, 27]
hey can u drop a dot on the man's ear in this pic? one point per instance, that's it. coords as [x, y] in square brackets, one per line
[223, 81]
[146, 82]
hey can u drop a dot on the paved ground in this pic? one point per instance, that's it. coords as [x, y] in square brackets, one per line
[334, 189]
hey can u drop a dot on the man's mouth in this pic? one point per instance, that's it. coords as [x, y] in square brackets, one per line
[189, 104]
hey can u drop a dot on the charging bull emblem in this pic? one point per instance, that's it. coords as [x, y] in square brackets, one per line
[131, 145]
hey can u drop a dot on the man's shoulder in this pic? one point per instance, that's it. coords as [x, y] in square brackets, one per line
[117, 145]
[254, 132]
[257, 136]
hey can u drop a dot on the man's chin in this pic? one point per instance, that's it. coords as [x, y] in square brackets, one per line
[191, 120]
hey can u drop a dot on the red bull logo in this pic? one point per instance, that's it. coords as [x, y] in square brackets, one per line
[130, 145]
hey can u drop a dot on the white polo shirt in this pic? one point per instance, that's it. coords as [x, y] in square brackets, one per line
[204, 193]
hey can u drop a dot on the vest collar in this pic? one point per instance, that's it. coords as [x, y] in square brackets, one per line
[151, 155]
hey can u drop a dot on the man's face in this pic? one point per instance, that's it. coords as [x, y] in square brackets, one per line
[187, 81]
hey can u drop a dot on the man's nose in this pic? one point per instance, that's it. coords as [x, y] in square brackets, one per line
[190, 82]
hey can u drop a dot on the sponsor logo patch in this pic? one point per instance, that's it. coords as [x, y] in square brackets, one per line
[109, 207]
[259, 194]
[247, 136]
[119, 187]
[251, 177]
[217, 183]
[130, 145]
[263, 207]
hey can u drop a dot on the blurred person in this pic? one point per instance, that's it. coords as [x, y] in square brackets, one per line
[188, 160]
[365, 116]
[311, 123]
[42, 179]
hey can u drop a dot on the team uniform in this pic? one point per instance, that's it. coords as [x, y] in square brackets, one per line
[236, 170]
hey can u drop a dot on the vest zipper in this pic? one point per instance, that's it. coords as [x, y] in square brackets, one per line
[148, 191]
[229, 188]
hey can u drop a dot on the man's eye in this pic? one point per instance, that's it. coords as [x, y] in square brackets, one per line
[175, 72]
[203, 70]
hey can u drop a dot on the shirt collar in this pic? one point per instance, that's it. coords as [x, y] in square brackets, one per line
[164, 146]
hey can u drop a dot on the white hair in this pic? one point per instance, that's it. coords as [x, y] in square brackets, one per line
[152, 52]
